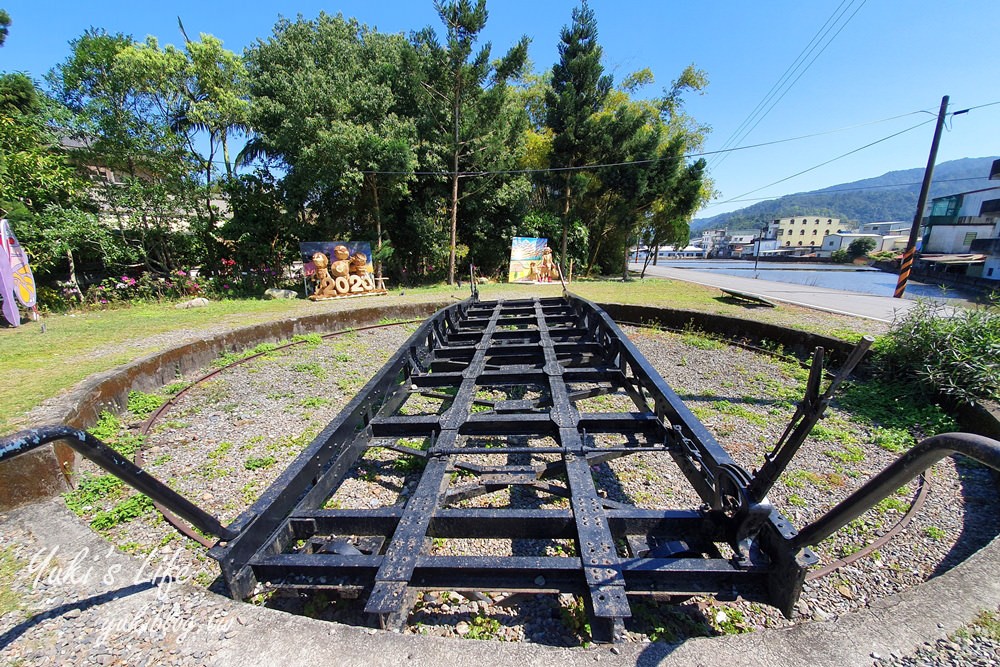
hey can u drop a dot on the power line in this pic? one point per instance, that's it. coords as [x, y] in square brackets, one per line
[736, 133]
[823, 164]
[759, 112]
[792, 84]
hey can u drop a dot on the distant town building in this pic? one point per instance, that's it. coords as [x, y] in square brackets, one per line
[803, 234]
[712, 241]
[893, 228]
[962, 231]
[843, 240]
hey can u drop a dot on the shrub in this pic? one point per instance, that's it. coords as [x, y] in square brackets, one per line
[860, 247]
[950, 353]
[839, 256]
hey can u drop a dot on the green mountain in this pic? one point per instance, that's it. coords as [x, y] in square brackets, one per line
[892, 196]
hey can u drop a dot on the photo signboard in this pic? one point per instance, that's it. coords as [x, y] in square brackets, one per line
[338, 268]
[525, 258]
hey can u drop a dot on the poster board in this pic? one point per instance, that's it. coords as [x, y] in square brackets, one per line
[525, 257]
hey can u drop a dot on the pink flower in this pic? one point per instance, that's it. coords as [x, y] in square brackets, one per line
[180, 272]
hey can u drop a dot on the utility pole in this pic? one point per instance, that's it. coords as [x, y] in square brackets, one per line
[911, 244]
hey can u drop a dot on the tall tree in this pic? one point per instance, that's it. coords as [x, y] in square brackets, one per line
[469, 98]
[142, 167]
[648, 184]
[201, 93]
[4, 25]
[579, 88]
[332, 105]
[41, 192]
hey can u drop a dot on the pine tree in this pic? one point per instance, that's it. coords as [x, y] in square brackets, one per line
[579, 89]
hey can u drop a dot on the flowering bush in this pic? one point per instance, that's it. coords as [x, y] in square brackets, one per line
[147, 287]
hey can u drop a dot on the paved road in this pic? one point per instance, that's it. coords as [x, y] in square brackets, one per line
[883, 308]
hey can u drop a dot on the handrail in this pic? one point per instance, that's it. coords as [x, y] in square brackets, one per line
[116, 464]
[922, 456]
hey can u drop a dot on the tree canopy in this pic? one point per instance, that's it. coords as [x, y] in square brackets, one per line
[428, 145]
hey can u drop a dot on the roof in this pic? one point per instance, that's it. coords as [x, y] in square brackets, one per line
[955, 259]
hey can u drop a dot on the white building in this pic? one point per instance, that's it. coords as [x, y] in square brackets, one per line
[843, 240]
[963, 230]
[893, 228]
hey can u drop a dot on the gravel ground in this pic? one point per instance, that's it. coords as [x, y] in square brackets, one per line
[225, 440]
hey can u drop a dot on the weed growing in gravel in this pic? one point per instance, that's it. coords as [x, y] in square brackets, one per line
[892, 504]
[740, 411]
[229, 358]
[988, 624]
[730, 621]
[310, 341]
[220, 451]
[667, 623]
[934, 533]
[701, 340]
[90, 491]
[174, 388]
[109, 430]
[311, 367]
[409, 464]
[483, 627]
[575, 617]
[250, 491]
[258, 463]
[797, 479]
[895, 440]
[895, 405]
[125, 511]
[313, 402]
[796, 500]
[849, 454]
[142, 405]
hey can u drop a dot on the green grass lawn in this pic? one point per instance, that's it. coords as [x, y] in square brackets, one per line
[37, 365]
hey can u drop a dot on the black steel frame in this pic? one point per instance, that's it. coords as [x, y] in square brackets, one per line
[554, 346]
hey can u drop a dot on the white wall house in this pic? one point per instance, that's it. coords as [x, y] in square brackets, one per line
[892, 228]
[843, 240]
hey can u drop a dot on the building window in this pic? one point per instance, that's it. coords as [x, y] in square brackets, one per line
[815, 231]
[817, 221]
[781, 232]
[792, 221]
[969, 238]
[802, 232]
[825, 232]
[800, 242]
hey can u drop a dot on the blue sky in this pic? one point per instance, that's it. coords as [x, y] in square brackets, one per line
[893, 58]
